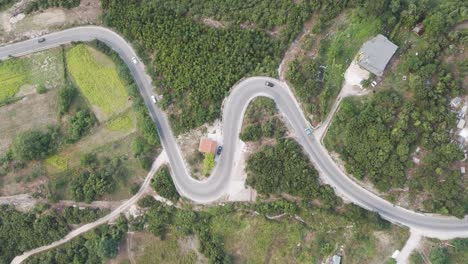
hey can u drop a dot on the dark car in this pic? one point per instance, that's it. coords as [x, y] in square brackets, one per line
[219, 149]
[267, 83]
[41, 40]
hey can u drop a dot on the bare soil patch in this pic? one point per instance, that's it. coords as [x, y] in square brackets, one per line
[18, 117]
[15, 25]
[212, 22]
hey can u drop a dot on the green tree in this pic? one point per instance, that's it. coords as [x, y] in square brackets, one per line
[439, 256]
[32, 144]
[162, 183]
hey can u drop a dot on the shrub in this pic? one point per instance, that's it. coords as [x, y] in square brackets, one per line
[208, 163]
[80, 123]
[41, 89]
[162, 183]
[33, 144]
[65, 98]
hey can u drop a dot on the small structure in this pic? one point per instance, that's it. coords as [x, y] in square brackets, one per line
[456, 102]
[462, 170]
[416, 160]
[461, 123]
[375, 54]
[462, 112]
[463, 134]
[207, 145]
[336, 259]
[418, 29]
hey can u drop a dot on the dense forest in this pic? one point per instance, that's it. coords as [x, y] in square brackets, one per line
[284, 168]
[23, 231]
[377, 136]
[195, 65]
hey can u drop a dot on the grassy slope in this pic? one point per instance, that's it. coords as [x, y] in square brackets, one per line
[152, 250]
[254, 239]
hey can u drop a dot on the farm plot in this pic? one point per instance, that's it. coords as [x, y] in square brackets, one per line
[13, 74]
[98, 82]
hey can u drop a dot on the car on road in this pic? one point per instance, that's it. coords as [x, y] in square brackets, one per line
[153, 98]
[134, 60]
[308, 131]
[267, 83]
[41, 40]
[373, 83]
[218, 150]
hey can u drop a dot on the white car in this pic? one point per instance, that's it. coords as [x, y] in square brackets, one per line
[135, 61]
[373, 84]
[153, 98]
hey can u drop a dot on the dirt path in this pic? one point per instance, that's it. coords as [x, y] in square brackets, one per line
[411, 244]
[295, 47]
[129, 248]
[160, 160]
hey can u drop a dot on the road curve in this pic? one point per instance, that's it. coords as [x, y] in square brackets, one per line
[235, 105]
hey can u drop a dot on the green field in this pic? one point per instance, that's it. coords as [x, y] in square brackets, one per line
[153, 250]
[57, 162]
[98, 82]
[13, 74]
[43, 68]
[254, 239]
[123, 122]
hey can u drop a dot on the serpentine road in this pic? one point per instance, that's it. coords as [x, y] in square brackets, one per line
[214, 187]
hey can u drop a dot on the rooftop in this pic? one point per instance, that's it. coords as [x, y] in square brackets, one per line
[207, 145]
[375, 54]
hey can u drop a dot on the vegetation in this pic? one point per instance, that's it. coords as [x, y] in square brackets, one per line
[96, 178]
[80, 123]
[20, 232]
[76, 215]
[44, 4]
[34, 144]
[377, 136]
[147, 140]
[261, 122]
[96, 81]
[66, 95]
[208, 163]
[154, 250]
[443, 252]
[163, 185]
[284, 168]
[194, 77]
[4, 4]
[13, 74]
[160, 218]
[41, 89]
[318, 81]
[97, 246]
[58, 162]
[122, 123]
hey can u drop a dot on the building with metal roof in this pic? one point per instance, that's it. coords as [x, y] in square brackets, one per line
[375, 54]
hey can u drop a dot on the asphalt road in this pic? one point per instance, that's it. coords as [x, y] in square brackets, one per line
[215, 186]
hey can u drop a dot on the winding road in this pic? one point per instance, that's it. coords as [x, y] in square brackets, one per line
[215, 186]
